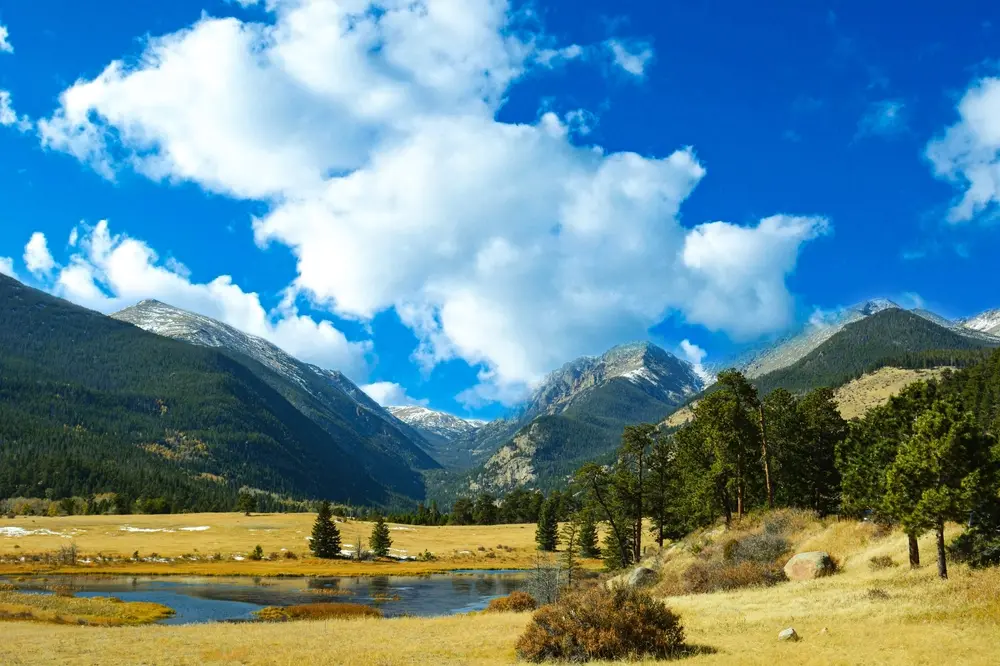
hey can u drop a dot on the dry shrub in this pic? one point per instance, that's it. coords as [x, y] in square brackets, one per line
[876, 594]
[62, 590]
[880, 562]
[327, 611]
[515, 602]
[765, 547]
[622, 623]
[703, 577]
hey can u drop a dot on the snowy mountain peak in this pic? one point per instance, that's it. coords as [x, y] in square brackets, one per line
[875, 306]
[444, 425]
[985, 322]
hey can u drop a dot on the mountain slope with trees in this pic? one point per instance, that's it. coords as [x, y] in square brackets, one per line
[90, 405]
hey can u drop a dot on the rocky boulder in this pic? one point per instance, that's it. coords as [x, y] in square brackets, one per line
[788, 635]
[638, 577]
[806, 566]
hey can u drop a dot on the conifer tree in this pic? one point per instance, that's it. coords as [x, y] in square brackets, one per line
[380, 541]
[588, 535]
[940, 473]
[547, 532]
[571, 564]
[325, 535]
[246, 503]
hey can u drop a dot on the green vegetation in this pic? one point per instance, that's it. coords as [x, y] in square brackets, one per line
[380, 541]
[325, 542]
[90, 405]
[547, 532]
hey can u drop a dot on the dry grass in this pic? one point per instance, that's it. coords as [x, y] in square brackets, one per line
[317, 612]
[858, 396]
[914, 619]
[65, 609]
[210, 551]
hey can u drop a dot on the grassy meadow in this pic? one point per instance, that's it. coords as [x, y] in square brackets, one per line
[858, 616]
[93, 611]
[219, 544]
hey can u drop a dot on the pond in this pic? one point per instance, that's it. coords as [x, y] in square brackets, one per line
[210, 599]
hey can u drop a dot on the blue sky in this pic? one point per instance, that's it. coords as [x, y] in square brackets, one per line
[448, 199]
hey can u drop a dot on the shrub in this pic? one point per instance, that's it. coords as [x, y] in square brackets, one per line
[880, 562]
[703, 577]
[876, 594]
[289, 555]
[320, 611]
[765, 547]
[515, 602]
[623, 623]
[977, 547]
[257, 554]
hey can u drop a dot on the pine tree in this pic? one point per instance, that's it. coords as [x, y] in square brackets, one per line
[325, 535]
[380, 541]
[547, 532]
[571, 564]
[940, 473]
[246, 503]
[588, 535]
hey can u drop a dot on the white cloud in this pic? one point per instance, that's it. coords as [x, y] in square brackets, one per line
[5, 46]
[390, 394]
[9, 117]
[109, 272]
[695, 355]
[37, 257]
[883, 118]
[968, 153]
[7, 267]
[631, 55]
[373, 135]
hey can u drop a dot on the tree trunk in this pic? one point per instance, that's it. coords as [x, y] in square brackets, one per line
[942, 563]
[767, 461]
[914, 551]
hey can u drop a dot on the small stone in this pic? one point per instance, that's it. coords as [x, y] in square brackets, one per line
[788, 635]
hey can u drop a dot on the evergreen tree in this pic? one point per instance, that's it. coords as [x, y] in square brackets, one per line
[816, 469]
[547, 532]
[380, 540]
[461, 512]
[325, 535]
[246, 503]
[940, 473]
[662, 491]
[484, 510]
[588, 535]
[597, 483]
[571, 564]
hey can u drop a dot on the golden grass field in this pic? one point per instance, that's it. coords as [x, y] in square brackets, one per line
[94, 611]
[917, 619]
[855, 397]
[201, 536]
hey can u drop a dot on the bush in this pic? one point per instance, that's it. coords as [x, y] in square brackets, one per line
[515, 602]
[880, 562]
[257, 554]
[321, 611]
[289, 555]
[977, 547]
[623, 623]
[703, 577]
[765, 547]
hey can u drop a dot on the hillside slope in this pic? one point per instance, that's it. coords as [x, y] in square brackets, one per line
[89, 404]
[389, 451]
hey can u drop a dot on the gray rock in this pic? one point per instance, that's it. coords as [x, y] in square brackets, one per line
[806, 566]
[788, 635]
[641, 577]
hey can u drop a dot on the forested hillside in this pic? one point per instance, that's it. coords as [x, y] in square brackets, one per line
[89, 404]
[891, 337]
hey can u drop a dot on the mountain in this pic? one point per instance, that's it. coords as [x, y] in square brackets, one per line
[579, 412]
[987, 322]
[449, 437]
[389, 450]
[890, 337]
[89, 404]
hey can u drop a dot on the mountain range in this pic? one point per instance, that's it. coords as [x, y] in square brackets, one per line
[155, 399]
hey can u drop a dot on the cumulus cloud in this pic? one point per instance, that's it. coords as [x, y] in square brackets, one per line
[631, 55]
[37, 257]
[9, 117]
[108, 272]
[390, 394]
[967, 154]
[7, 267]
[372, 132]
[884, 118]
[5, 46]
[695, 355]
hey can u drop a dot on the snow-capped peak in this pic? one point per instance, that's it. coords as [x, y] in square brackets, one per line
[442, 424]
[986, 322]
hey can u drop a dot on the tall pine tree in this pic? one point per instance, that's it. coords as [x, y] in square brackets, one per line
[547, 532]
[325, 535]
[380, 541]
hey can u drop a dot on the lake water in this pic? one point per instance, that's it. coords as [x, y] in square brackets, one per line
[210, 599]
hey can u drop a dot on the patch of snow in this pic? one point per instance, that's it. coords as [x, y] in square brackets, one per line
[200, 528]
[239, 558]
[143, 530]
[402, 529]
[21, 532]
